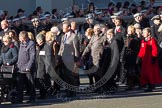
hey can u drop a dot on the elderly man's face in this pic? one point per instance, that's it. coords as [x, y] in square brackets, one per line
[35, 23]
[4, 25]
[138, 18]
[65, 28]
[96, 30]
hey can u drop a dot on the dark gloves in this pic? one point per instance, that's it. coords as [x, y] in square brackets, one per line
[59, 60]
[153, 60]
[138, 59]
[82, 58]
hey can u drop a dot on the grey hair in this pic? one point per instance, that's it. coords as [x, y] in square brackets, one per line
[40, 37]
[23, 34]
[7, 37]
[55, 29]
[97, 25]
[147, 29]
[160, 28]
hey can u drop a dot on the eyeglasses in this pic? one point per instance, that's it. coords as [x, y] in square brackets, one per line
[5, 41]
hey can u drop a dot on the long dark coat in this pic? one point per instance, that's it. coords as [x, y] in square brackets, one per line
[45, 61]
[129, 53]
[110, 59]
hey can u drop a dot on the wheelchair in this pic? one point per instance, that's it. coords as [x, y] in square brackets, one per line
[8, 87]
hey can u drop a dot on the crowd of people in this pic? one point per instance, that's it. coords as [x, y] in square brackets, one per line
[41, 48]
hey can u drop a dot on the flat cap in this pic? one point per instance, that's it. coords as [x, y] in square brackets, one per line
[118, 13]
[114, 16]
[47, 15]
[156, 17]
[89, 16]
[42, 18]
[64, 19]
[143, 11]
[22, 17]
[35, 19]
[137, 14]
[98, 12]
[16, 19]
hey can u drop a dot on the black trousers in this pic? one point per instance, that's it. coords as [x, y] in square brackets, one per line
[70, 78]
[22, 79]
[43, 84]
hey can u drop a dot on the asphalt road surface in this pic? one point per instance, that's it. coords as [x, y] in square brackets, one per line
[121, 99]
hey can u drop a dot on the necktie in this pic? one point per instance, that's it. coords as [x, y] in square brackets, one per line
[65, 39]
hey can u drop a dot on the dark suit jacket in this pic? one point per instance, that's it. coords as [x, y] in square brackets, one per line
[119, 36]
[69, 50]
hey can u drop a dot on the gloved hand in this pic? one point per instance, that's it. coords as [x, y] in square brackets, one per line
[58, 62]
[121, 60]
[153, 60]
[82, 59]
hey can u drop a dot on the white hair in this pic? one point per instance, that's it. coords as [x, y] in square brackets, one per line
[160, 28]
[54, 29]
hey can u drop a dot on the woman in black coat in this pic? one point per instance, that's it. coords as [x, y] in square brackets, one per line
[160, 47]
[45, 63]
[129, 55]
[110, 61]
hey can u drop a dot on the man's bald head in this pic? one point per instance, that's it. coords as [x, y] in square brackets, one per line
[4, 24]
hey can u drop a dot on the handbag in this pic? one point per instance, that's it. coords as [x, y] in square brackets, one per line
[7, 68]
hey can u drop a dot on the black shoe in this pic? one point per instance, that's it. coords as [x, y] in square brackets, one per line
[70, 94]
[31, 101]
[148, 90]
[128, 89]
[54, 92]
[17, 102]
[100, 91]
[41, 97]
[109, 93]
